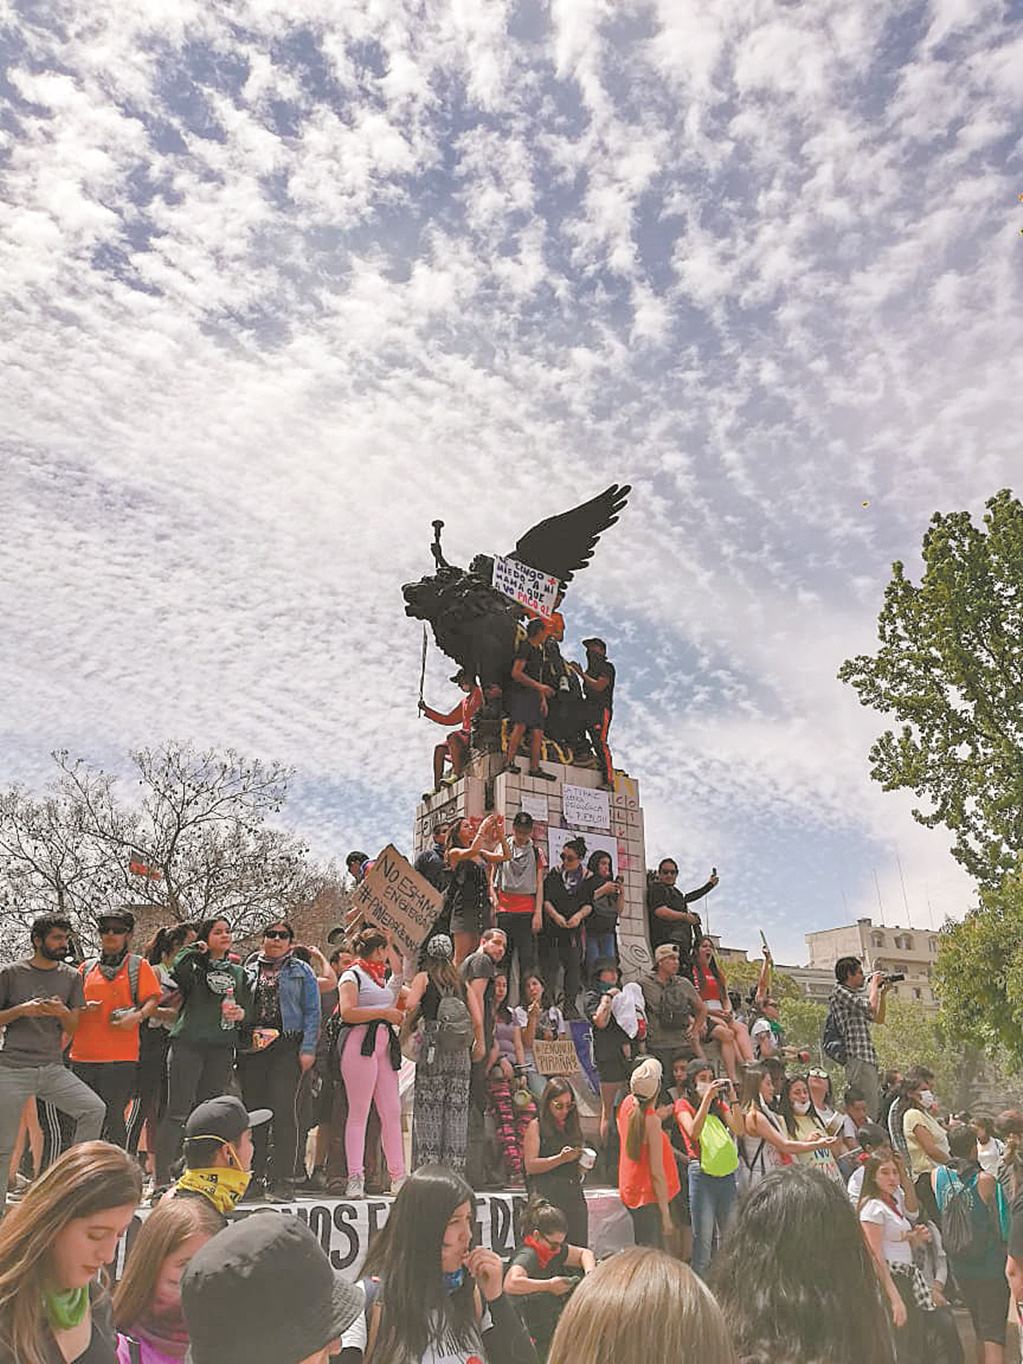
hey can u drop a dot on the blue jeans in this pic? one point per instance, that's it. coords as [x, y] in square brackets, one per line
[711, 1204]
[600, 945]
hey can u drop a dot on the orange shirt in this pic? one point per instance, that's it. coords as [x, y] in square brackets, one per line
[95, 1039]
[635, 1183]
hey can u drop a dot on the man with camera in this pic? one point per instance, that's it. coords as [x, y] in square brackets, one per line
[855, 1009]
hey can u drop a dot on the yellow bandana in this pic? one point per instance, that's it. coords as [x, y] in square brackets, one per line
[223, 1186]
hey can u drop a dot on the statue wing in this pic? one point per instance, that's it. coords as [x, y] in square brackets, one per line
[564, 544]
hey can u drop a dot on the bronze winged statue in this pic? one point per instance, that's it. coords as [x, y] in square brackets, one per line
[474, 624]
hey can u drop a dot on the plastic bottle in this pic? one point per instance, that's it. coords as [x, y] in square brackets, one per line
[226, 1002]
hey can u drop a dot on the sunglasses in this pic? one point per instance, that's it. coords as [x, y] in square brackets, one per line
[113, 928]
[280, 934]
[818, 1074]
[559, 1104]
[665, 872]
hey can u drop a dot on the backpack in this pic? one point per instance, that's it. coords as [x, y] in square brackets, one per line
[454, 1025]
[675, 1005]
[134, 967]
[832, 1040]
[718, 1154]
[956, 1199]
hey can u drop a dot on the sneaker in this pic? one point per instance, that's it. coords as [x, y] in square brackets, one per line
[282, 1192]
[396, 1185]
[314, 1183]
[356, 1187]
[511, 767]
[541, 774]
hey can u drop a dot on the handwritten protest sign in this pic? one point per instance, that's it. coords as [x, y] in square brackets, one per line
[558, 837]
[535, 806]
[397, 899]
[555, 1058]
[528, 586]
[582, 805]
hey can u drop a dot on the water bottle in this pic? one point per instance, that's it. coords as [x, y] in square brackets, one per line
[227, 1023]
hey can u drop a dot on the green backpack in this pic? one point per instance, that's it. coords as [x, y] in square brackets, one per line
[718, 1154]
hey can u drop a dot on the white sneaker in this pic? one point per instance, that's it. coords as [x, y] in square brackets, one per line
[396, 1185]
[356, 1187]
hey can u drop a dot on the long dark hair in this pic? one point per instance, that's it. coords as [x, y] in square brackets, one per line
[789, 1113]
[571, 1134]
[417, 1310]
[699, 975]
[170, 938]
[795, 1279]
[696, 1067]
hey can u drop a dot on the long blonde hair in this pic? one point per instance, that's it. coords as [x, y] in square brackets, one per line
[164, 1231]
[640, 1305]
[86, 1180]
[635, 1133]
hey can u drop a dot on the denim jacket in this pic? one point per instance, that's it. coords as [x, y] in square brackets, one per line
[299, 996]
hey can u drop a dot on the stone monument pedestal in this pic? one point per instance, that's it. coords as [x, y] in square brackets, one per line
[615, 824]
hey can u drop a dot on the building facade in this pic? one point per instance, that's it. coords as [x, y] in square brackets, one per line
[911, 951]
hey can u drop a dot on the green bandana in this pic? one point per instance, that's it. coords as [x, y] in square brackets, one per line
[66, 1309]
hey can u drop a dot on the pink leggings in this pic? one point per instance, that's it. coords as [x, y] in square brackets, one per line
[371, 1079]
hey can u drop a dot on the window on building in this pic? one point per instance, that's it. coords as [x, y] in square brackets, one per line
[932, 945]
[877, 939]
[917, 994]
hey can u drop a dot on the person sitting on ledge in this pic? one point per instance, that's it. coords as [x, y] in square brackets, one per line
[455, 747]
[526, 698]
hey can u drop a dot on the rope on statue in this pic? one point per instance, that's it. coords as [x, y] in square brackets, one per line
[422, 672]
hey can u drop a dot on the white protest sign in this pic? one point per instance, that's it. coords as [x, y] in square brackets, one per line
[582, 805]
[528, 586]
[397, 899]
[557, 838]
[536, 806]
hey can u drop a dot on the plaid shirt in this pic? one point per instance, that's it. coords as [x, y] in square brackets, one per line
[854, 1017]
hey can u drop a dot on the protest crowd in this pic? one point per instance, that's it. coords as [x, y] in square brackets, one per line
[774, 1218]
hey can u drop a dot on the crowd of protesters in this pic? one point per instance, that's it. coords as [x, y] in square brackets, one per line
[204, 1073]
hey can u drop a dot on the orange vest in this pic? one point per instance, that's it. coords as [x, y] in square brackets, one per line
[634, 1180]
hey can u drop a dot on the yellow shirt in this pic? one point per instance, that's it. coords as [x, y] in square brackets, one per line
[920, 1161]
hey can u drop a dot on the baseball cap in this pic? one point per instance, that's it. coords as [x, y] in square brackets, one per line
[666, 949]
[224, 1117]
[645, 1080]
[119, 916]
[589, 643]
[263, 1292]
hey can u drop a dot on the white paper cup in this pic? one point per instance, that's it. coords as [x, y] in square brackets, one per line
[588, 1158]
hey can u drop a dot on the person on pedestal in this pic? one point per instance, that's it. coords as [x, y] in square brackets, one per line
[355, 864]
[371, 1058]
[510, 1101]
[121, 993]
[468, 911]
[612, 1047]
[519, 885]
[552, 1147]
[675, 1014]
[671, 919]
[430, 862]
[455, 747]
[286, 1010]
[526, 698]
[479, 971]
[606, 895]
[566, 906]
[598, 679]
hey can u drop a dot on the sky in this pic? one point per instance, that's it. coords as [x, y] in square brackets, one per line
[280, 283]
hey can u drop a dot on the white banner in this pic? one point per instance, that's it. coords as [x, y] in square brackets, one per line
[557, 838]
[346, 1228]
[528, 586]
[582, 805]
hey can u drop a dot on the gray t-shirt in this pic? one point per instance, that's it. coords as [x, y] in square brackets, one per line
[36, 1041]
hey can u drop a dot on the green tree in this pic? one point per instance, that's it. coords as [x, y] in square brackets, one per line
[950, 669]
[979, 972]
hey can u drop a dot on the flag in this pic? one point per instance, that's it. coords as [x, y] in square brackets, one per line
[138, 866]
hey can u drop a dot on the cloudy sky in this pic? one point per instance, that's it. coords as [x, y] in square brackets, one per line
[282, 281]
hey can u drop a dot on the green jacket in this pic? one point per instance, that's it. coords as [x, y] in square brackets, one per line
[204, 984]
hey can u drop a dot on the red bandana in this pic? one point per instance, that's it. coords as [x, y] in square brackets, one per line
[376, 969]
[544, 1253]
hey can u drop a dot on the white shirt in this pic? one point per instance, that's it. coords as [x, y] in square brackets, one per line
[990, 1156]
[855, 1188]
[371, 995]
[894, 1229]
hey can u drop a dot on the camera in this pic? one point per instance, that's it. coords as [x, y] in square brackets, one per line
[893, 979]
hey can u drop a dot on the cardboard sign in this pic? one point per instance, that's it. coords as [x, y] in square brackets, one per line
[582, 805]
[557, 838]
[528, 586]
[398, 900]
[555, 1058]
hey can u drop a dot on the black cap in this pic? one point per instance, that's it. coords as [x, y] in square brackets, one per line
[463, 675]
[589, 643]
[337, 935]
[224, 1117]
[263, 1292]
[121, 916]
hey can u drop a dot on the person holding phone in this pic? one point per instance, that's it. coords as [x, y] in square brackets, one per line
[711, 1128]
[437, 1298]
[544, 1271]
[552, 1147]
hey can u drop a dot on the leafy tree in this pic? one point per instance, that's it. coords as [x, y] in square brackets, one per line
[950, 668]
[979, 972]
